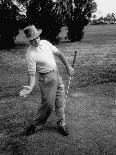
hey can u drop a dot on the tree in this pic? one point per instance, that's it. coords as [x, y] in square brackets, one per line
[93, 19]
[108, 17]
[113, 17]
[45, 14]
[12, 16]
[78, 16]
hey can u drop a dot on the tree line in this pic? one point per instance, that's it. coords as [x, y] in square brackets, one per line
[110, 18]
[49, 15]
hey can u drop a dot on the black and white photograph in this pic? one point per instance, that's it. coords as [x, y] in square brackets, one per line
[57, 77]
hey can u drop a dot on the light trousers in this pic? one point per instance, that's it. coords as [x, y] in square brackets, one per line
[52, 94]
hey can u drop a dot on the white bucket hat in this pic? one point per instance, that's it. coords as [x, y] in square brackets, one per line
[31, 32]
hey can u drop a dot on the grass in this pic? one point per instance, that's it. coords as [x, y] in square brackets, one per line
[90, 107]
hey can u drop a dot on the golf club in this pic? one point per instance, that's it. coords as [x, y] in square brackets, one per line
[70, 77]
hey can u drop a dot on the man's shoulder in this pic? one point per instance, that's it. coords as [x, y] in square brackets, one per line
[45, 42]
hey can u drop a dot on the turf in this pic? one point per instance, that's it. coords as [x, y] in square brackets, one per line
[90, 107]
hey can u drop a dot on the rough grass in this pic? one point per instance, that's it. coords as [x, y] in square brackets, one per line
[90, 107]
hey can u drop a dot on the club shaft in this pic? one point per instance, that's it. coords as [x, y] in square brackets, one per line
[68, 86]
[70, 77]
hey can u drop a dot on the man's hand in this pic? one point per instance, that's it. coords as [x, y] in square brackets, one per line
[70, 71]
[24, 92]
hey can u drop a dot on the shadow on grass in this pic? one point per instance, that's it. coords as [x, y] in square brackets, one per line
[10, 91]
[14, 141]
[16, 145]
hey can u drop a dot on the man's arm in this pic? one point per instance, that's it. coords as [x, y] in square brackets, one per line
[31, 80]
[64, 61]
[27, 89]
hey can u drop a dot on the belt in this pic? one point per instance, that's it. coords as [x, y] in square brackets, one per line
[54, 70]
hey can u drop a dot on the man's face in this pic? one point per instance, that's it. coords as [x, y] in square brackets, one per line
[35, 42]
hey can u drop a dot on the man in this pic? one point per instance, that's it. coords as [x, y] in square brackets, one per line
[40, 58]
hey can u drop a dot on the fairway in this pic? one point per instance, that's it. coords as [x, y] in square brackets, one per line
[90, 107]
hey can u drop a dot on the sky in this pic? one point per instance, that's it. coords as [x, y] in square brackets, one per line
[105, 6]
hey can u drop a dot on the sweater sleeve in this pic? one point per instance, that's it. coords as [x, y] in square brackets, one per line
[31, 63]
[53, 48]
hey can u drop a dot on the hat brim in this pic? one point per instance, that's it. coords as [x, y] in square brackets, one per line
[35, 36]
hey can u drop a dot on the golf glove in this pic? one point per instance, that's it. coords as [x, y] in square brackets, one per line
[71, 71]
[24, 92]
